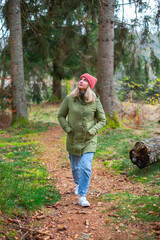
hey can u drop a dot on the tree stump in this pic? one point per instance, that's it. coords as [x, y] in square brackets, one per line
[146, 152]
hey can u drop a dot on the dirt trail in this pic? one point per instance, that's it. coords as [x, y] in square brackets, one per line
[67, 220]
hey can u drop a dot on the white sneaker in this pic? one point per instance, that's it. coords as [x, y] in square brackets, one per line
[76, 189]
[83, 201]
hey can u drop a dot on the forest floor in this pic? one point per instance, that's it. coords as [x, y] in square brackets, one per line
[67, 220]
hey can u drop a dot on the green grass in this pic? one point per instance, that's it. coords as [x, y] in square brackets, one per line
[131, 206]
[45, 113]
[134, 207]
[25, 183]
[114, 147]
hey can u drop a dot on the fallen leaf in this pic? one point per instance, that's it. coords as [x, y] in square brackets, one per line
[87, 223]
[112, 215]
[107, 221]
[61, 227]
[40, 217]
[99, 204]
[46, 238]
[157, 233]
[80, 212]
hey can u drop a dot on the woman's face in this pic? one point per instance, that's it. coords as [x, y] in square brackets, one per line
[83, 84]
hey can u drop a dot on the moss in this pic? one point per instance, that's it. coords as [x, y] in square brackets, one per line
[112, 121]
[68, 87]
[20, 121]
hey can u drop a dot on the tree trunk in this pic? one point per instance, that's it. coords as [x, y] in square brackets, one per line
[17, 71]
[56, 87]
[146, 152]
[105, 84]
[57, 91]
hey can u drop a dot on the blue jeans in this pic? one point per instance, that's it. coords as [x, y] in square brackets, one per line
[81, 171]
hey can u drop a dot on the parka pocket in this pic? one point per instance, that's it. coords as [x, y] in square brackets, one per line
[70, 136]
[88, 136]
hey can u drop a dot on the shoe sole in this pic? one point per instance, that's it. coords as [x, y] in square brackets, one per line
[87, 205]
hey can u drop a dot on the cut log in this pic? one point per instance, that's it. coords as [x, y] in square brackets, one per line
[146, 152]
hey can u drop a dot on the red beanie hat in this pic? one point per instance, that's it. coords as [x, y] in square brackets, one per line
[92, 80]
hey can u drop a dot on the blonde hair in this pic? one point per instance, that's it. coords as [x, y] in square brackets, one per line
[89, 95]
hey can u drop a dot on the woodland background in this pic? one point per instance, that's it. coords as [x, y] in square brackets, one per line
[63, 39]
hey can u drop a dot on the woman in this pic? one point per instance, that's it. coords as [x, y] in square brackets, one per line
[81, 116]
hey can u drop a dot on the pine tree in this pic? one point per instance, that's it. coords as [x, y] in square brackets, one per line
[106, 55]
[17, 72]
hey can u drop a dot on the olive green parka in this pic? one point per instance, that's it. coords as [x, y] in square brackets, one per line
[81, 121]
